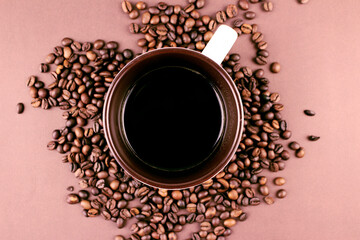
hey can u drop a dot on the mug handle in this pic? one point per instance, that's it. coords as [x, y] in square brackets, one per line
[220, 43]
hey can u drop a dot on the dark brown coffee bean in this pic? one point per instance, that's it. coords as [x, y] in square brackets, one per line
[19, 108]
[300, 153]
[257, 37]
[263, 53]
[43, 93]
[190, 22]
[269, 200]
[36, 102]
[309, 112]
[262, 45]
[294, 145]
[286, 134]
[244, 4]
[249, 15]
[72, 198]
[134, 14]
[200, 4]
[154, 10]
[313, 138]
[261, 60]
[303, 1]
[141, 5]
[246, 28]
[281, 193]
[44, 67]
[264, 190]
[275, 67]
[279, 181]
[52, 145]
[221, 16]
[126, 6]
[231, 11]
[99, 44]
[189, 8]
[268, 6]
[66, 41]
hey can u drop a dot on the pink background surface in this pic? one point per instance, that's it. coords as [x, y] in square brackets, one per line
[317, 45]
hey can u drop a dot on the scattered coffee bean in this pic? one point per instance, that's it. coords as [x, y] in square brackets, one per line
[246, 28]
[268, 6]
[300, 153]
[221, 16]
[281, 193]
[134, 14]
[70, 188]
[313, 138]
[269, 200]
[249, 15]
[294, 145]
[231, 11]
[141, 5]
[44, 67]
[275, 67]
[309, 112]
[20, 108]
[244, 4]
[119, 237]
[279, 181]
[72, 198]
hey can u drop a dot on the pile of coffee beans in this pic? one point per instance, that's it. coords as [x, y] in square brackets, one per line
[81, 74]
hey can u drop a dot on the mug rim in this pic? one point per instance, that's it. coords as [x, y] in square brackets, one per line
[107, 131]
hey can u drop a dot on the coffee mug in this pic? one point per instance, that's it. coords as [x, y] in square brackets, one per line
[173, 117]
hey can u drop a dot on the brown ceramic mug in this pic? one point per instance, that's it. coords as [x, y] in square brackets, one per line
[162, 151]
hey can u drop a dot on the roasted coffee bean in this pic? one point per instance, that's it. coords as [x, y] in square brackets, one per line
[261, 60]
[264, 190]
[134, 14]
[244, 4]
[44, 67]
[221, 16]
[262, 45]
[83, 194]
[268, 6]
[36, 102]
[303, 1]
[119, 237]
[313, 138]
[72, 198]
[300, 153]
[19, 108]
[231, 11]
[286, 134]
[281, 193]
[141, 5]
[279, 181]
[249, 15]
[309, 112]
[275, 67]
[294, 145]
[269, 200]
[126, 6]
[246, 28]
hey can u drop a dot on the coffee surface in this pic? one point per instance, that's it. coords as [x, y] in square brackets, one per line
[173, 118]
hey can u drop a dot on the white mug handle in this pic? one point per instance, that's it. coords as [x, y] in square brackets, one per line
[220, 43]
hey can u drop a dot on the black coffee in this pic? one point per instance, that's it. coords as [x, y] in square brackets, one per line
[173, 118]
